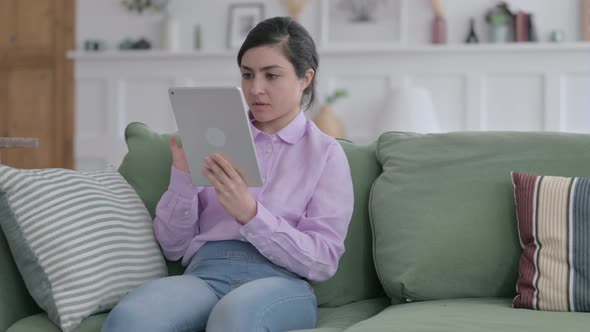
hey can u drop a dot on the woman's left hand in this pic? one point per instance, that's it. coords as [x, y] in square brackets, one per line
[231, 189]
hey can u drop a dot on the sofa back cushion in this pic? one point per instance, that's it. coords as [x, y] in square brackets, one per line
[146, 166]
[356, 278]
[443, 209]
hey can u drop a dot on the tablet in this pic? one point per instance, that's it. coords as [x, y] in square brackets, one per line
[215, 120]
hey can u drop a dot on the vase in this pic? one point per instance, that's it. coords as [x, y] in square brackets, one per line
[439, 30]
[500, 33]
[170, 30]
[329, 123]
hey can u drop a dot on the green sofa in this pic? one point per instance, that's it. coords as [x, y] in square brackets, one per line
[432, 245]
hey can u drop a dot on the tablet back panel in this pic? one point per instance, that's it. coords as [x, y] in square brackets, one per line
[215, 120]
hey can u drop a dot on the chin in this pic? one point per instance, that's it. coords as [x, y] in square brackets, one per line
[263, 116]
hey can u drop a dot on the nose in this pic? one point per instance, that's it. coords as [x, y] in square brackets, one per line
[256, 86]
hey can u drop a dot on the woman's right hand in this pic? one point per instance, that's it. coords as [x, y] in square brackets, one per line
[178, 156]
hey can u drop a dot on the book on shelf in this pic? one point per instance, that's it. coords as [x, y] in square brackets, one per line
[525, 30]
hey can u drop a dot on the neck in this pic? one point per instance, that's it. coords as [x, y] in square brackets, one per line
[274, 126]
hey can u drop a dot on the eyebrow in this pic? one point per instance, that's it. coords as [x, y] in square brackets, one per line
[263, 68]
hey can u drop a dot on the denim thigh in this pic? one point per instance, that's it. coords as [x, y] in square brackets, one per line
[227, 265]
[255, 294]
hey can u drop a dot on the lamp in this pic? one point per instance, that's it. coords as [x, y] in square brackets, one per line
[408, 109]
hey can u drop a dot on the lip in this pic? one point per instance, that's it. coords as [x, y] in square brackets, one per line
[258, 107]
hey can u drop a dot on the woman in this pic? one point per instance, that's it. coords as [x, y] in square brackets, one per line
[250, 252]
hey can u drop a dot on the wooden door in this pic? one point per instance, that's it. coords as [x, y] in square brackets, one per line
[7, 37]
[36, 81]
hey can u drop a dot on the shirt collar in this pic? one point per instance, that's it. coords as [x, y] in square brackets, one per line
[291, 133]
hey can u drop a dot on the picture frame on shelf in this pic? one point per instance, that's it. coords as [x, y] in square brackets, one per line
[371, 23]
[242, 17]
[586, 20]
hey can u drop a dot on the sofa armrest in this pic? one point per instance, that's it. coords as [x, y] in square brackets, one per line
[15, 301]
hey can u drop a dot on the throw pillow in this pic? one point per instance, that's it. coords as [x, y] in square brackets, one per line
[553, 216]
[81, 240]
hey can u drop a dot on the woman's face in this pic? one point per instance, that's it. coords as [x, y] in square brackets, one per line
[271, 87]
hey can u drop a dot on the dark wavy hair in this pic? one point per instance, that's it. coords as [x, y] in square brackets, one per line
[295, 42]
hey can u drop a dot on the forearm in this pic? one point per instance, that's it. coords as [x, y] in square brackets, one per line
[312, 255]
[177, 215]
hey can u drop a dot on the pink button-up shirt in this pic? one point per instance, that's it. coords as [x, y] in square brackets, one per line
[304, 206]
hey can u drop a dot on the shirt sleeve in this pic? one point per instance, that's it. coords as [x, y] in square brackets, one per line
[177, 215]
[314, 246]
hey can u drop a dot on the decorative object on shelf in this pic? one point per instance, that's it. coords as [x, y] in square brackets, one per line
[197, 37]
[242, 18]
[142, 44]
[557, 36]
[533, 37]
[327, 120]
[525, 30]
[408, 109]
[295, 7]
[586, 20]
[130, 44]
[126, 44]
[170, 29]
[352, 23]
[501, 22]
[94, 45]
[439, 24]
[471, 35]
[143, 5]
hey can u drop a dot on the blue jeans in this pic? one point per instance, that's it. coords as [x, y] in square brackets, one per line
[228, 286]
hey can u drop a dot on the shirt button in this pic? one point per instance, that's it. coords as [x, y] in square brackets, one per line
[274, 139]
[186, 213]
[271, 257]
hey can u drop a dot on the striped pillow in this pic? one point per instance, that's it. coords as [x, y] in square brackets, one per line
[554, 229]
[81, 240]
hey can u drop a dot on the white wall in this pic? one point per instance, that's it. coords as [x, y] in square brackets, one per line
[541, 87]
[109, 20]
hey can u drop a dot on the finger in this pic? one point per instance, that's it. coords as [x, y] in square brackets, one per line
[217, 170]
[226, 166]
[172, 142]
[213, 179]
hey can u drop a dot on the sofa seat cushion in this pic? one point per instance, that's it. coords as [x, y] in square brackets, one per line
[470, 315]
[329, 319]
[338, 319]
[41, 323]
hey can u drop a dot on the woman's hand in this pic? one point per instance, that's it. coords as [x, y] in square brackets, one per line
[178, 156]
[231, 189]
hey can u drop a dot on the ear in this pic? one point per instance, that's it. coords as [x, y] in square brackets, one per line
[306, 80]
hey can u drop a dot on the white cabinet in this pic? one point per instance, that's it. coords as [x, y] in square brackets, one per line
[540, 87]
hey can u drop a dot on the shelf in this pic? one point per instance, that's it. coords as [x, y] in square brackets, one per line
[345, 50]
[147, 55]
[462, 48]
